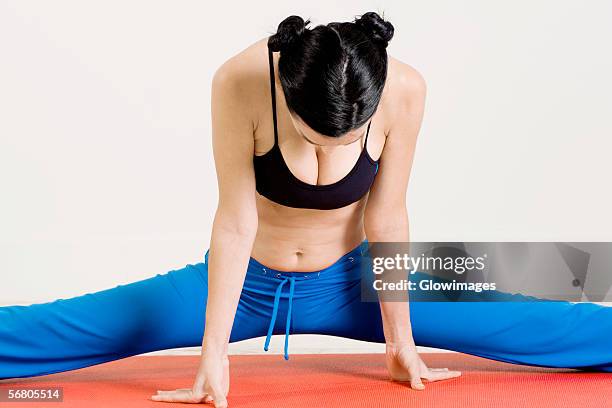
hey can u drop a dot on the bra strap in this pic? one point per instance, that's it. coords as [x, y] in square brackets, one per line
[365, 144]
[273, 93]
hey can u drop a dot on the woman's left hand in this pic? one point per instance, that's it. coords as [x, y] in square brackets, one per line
[405, 364]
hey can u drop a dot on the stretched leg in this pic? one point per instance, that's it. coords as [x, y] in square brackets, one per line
[164, 311]
[513, 328]
[517, 329]
[550, 334]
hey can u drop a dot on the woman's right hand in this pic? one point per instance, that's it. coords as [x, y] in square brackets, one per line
[211, 384]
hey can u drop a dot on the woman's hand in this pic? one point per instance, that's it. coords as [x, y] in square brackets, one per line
[211, 384]
[405, 364]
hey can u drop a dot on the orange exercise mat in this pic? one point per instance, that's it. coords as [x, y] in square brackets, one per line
[339, 380]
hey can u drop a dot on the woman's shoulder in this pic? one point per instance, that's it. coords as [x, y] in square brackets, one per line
[246, 73]
[405, 85]
[247, 68]
[403, 77]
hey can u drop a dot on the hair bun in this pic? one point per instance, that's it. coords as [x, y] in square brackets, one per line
[288, 34]
[379, 30]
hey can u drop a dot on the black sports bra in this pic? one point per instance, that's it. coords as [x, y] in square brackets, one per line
[275, 181]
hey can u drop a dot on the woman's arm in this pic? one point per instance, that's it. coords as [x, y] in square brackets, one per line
[235, 221]
[234, 226]
[386, 217]
[233, 233]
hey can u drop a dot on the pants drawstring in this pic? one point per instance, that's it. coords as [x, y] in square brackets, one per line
[277, 296]
[289, 310]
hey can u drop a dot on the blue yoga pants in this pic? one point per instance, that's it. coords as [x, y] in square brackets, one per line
[168, 311]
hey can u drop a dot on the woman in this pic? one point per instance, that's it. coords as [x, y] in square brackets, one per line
[314, 132]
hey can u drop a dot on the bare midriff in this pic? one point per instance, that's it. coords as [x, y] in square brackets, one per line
[305, 240]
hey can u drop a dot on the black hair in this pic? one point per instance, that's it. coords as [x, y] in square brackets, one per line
[333, 75]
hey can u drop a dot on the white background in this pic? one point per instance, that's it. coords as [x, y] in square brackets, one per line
[106, 169]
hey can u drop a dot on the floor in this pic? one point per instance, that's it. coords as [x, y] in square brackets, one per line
[338, 380]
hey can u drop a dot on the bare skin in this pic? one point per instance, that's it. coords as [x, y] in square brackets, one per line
[289, 239]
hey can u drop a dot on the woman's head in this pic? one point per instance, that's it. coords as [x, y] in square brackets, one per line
[333, 75]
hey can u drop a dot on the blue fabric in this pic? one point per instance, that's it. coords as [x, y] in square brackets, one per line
[168, 311]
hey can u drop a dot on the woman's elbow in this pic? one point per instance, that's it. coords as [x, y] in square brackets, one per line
[242, 224]
[386, 223]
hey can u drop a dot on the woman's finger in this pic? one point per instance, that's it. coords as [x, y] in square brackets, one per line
[168, 396]
[170, 391]
[218, 397]
[183, 395]
[415, 377]
[440, 375]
